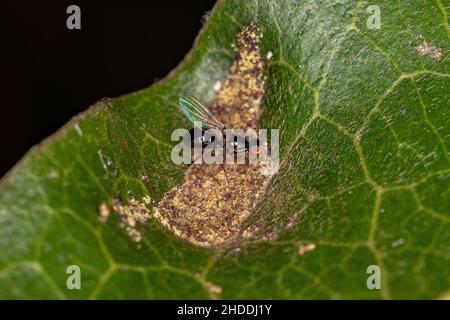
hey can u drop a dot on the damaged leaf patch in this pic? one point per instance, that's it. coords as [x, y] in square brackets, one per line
[131, 214]
[427, 49]
[210, 207]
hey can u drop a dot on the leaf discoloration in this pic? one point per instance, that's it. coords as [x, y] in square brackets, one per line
[210, 207]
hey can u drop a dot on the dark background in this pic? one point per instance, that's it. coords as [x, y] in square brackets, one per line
[49, 73]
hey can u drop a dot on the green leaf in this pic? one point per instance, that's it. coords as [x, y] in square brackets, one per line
[364, 177]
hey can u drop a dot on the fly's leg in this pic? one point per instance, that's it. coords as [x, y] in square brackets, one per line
[222, 166]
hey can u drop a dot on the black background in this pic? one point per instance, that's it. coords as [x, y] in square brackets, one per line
[49, 73]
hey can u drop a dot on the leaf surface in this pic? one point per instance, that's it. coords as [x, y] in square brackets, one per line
[365, 169]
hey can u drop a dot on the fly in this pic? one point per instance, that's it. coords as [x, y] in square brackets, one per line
[199, 114]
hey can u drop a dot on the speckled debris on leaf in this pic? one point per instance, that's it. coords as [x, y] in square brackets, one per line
[210, 208]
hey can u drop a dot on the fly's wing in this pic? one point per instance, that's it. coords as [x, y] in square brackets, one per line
[196, 112]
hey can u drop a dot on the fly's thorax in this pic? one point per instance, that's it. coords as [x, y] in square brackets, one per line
[239, 140]
[201, 137]
[235, 144]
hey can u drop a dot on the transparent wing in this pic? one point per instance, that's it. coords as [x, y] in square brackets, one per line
[196, 112]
